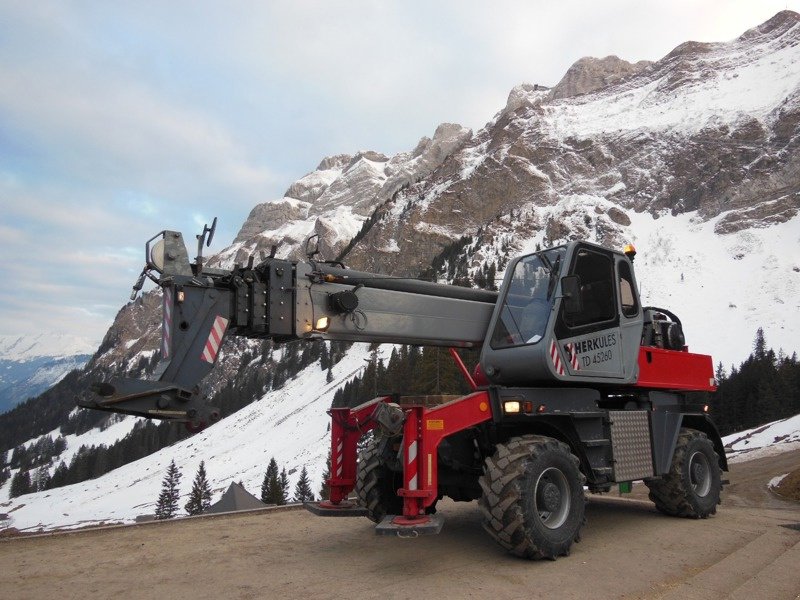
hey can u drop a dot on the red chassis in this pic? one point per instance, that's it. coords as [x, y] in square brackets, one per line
[425, 427]
[423, 430]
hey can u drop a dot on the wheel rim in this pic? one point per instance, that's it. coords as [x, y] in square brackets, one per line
[552, 498]
[700, 474]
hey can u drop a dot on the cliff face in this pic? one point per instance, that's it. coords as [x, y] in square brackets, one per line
[710, 128]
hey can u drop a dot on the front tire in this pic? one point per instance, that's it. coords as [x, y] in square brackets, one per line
[533, 502]
[693, 484]
[377, 485]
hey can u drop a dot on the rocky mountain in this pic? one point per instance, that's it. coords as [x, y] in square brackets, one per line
[31, 364]
[710, 129]
[694, 158]
[337, 198]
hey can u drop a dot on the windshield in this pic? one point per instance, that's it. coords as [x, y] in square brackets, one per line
[528, 299]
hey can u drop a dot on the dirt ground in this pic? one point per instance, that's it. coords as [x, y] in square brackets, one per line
[750, 549]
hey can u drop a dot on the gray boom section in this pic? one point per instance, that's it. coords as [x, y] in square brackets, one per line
[401, 284]
[282, 300]
[385, 315]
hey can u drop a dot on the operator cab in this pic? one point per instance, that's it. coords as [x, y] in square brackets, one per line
[569, 313]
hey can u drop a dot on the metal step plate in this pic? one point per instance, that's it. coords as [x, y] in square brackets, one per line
[400, 527]
[631, 443]
[344, 509]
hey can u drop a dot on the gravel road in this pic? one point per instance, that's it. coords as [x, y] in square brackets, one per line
[750, 549]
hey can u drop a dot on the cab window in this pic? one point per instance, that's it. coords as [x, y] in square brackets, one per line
[528, 300]
[596, 272]
[627, 296]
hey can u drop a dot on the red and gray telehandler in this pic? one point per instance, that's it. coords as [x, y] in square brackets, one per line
[578, 386]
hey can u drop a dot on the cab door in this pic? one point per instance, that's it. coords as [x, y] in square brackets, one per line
[591, 339]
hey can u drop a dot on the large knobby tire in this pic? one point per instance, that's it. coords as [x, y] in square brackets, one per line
[693, 484]
[533, 503]
[377, 485]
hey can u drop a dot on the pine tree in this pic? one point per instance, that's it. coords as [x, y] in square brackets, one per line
[20, 484]
[270, 486]
[302, 490]
[759, 345]
[283, 489]
[41, 480]
[167, 504]
[200, 496]
[720, 374]
[59, 477]
[325, 490]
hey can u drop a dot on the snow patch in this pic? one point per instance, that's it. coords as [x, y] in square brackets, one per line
[765, 440]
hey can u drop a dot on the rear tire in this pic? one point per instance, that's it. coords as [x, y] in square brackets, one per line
[693, 484]
[377, 485]
[533, 502]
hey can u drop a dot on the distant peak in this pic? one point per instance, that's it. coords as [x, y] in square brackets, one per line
[777, 25]
[447, 130]
[368, 155]
[337, 161]
[524, 94]
[589, 74]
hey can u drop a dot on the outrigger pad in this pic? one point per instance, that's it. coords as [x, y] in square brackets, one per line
[401, 526]
[346, 508]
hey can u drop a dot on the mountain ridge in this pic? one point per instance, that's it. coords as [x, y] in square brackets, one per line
[30, 364]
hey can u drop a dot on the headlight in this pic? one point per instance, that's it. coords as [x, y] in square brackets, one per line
[156, 257]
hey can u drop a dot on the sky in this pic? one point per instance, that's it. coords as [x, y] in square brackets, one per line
[119, 120]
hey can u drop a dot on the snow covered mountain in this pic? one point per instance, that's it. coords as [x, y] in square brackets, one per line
[31, 364]
[27, 347]
[693, 158]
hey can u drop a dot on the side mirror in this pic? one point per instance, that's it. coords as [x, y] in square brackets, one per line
[571, 292]
[204, 238]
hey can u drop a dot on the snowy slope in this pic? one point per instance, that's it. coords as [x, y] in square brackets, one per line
[290, 425]
[702, 92]
[767, 440]
[722, 288]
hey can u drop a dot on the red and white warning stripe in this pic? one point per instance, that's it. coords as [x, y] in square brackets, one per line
[554, 356]
[214, 339]
[573, 356]
[338, 462]
[411, 466]
[166, 329]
